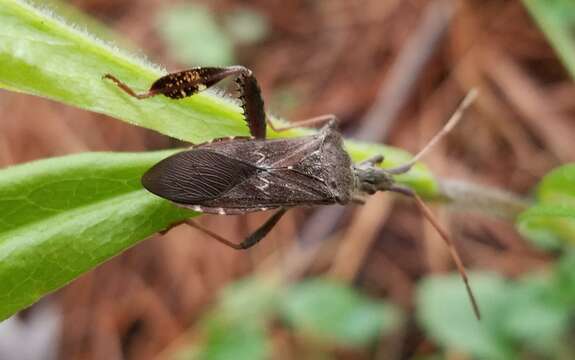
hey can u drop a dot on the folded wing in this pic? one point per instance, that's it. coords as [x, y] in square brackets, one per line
[196, 176]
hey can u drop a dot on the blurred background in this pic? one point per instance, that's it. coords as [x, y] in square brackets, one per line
[392, 71]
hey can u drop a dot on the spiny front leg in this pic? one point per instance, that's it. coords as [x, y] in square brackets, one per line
[186, 83]
[252, 104]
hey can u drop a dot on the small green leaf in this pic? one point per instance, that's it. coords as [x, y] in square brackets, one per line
[444, 311]
[548, 226]
[331, 311]
[225, 340]
[551, 221]
[64, 216]
[194, 37]
[533, 318]
[250, 299]
[564, 280]
[236, 327]
[558, 186]
[516, 316]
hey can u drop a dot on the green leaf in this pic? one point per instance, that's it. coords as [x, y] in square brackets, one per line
[444, 311]
[64, 216]
[41, 55]
[519, 316]
[194, 37]
[227, 340]
[251, 299]
[534, 319]
[564, 280]
[331, 311]
[236, 327]
[558, 187]
[551, 221]
[548, 226]
[556, 19]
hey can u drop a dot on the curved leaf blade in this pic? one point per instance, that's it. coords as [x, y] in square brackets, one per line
[42, 55]
[64, 216]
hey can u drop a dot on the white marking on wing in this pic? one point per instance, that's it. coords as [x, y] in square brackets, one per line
[265, 185]
[262, 157]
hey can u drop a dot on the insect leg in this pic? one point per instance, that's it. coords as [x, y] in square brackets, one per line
[252, 104]
[184, 83]
[263, 230]
[443, 233]
[307, 122]
[251, 240]
[206, 231]
[128, 90]
[372, 161]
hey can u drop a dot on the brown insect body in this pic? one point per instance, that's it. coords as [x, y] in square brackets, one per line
[239, 175]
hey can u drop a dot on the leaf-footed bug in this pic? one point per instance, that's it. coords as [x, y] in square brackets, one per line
[237, 175]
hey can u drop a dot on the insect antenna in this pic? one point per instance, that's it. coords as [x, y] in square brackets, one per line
[453, 120]
[452, 251]
[448, 242]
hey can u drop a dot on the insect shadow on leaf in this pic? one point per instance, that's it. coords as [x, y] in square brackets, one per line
[238, 175]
